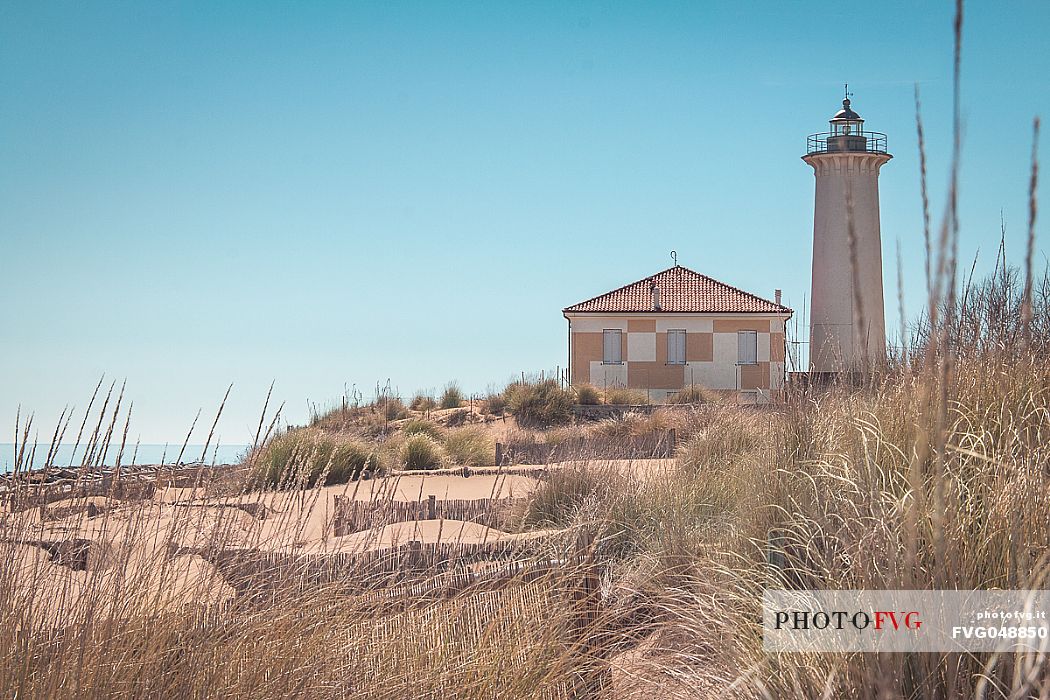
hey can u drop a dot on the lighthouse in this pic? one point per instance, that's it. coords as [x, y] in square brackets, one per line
[847, 331]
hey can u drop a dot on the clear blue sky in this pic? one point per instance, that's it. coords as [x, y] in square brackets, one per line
[324, 194]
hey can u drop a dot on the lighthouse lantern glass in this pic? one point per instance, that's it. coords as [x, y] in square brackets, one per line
[846, 127]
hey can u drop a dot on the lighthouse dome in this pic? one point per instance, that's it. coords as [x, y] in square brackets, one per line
[846, 114]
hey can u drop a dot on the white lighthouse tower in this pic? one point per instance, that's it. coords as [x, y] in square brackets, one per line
[847, 331]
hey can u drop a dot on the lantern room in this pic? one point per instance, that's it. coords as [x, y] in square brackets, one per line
[847, 135]
[847, 131]
[846, 121]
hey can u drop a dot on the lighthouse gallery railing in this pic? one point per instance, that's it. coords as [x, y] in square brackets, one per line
[861, 141]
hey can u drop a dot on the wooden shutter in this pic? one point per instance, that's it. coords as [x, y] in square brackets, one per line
[747, 347]
[676, 347]
[611, 347]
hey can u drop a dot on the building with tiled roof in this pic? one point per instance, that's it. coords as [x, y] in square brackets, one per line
[681, 291]
[675, 329]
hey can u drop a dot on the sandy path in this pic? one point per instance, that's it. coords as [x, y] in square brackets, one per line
[412, 488]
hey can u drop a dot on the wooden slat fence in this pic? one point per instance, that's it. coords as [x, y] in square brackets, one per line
[660, 445]
[535, 471]
[74, 552]
[356, 516]
[129, 483]
[256, 572]
[550, 595]
[121, 489]
[600, 411]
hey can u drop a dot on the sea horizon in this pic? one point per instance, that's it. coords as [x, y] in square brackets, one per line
[152, 453]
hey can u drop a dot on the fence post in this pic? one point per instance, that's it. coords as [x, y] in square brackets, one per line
[499, 454]
[339, 524]
[431, 507]
[594, 672]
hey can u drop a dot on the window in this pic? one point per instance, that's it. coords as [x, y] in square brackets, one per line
[611, 347]
[676, 347]
[747, 347]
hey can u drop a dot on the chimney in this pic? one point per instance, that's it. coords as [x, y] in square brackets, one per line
[656, 297]
[776, 296]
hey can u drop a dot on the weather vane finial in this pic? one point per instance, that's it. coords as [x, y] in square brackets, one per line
[848, 94]
[674, 257]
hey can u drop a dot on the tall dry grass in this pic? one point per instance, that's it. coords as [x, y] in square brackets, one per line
[178, 595]
[933, 473]
[849, 488]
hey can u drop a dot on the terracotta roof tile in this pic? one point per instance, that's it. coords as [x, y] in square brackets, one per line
[681, 291]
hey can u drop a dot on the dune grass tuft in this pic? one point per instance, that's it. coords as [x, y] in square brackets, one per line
[423, 403]
[587, 395]
[693, 394]
[541, 403]
[310, 456]
[416, 426]
[495, 404]
[420, 451]
[622, 396]
[452, 396]
[470, 446]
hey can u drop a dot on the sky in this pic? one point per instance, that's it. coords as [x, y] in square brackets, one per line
[330, 195]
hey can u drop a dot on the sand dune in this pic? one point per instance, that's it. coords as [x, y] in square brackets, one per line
[138, 554]
[294, 520]
[412, 488]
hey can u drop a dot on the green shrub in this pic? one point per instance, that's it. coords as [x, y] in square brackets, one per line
[470, 446]
[417, 426]
[623, 396]
[693, 394]
[587, 395]
[308, 454]
[542, 403]
[422, 403]
[421, 451]
[452, 397]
